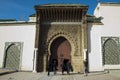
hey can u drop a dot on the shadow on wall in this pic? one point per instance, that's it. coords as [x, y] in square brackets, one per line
[88, 42]
[42, 50]
[89, 37]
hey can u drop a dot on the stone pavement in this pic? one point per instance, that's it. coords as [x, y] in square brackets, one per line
[112, 75]
[6, 71]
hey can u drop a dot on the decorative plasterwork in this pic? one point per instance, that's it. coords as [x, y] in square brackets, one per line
[110, 50]
[104, 39]
[73, 43]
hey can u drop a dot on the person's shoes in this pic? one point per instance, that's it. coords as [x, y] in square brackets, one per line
[48, 74]
[55, 73]
[86, 75]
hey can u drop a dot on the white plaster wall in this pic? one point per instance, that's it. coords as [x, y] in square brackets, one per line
[19, 33]
[94, 47]
[111, 20]
[32, 19]
[97, 10]
[110, 28]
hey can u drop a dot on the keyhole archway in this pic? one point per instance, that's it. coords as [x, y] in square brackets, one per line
[110, 53]
[60, 49]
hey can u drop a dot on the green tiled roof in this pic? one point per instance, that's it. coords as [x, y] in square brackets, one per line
[32, 15]
[2, 20]
[93, 19]
[90, 18]
[62, 5]
[110, 2]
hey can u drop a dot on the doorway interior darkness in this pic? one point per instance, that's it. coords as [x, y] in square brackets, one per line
[60, 49]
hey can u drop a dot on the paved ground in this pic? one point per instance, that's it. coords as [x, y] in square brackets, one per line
[6, 71]
[113, 75]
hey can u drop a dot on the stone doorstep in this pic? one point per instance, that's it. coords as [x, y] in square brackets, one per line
[7, 71]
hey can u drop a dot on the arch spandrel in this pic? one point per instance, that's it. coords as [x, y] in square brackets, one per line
[66, 36]
[110, 51]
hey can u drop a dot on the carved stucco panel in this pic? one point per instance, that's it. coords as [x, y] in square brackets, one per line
[69, 32]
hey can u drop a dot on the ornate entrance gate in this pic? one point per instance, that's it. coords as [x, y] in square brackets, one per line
[61, 33]
[60, 49]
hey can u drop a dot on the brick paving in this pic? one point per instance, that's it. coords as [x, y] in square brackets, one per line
[113, 75]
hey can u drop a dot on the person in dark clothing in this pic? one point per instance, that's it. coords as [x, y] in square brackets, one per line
[49, 66]
[66, 66]
[70, 67]
[54, 66]
[48, 69]
[86, 67]
[62, 65]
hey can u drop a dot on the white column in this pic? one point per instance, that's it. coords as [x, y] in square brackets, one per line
[85, 50]
[35, 59]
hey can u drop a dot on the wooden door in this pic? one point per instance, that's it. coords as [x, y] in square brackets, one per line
[60, 49]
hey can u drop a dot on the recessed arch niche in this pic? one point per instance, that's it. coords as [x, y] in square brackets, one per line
[60, 49]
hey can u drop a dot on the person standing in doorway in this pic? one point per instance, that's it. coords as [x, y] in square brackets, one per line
[54, 66]
[49, 67]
